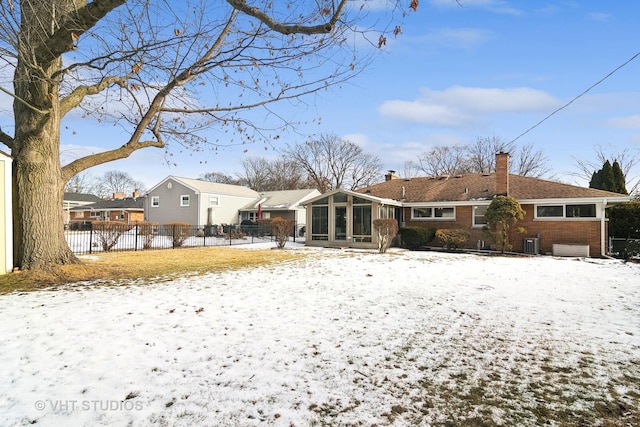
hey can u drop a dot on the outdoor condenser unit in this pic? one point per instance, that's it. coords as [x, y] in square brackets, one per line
[531, 245]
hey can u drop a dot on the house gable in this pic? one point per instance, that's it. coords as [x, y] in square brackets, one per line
[196, 201]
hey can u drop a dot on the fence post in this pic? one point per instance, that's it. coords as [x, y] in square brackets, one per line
[90, 239]
[173, 236]
[135, 240]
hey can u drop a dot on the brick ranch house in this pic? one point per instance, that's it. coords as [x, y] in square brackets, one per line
[560, 219]
[126, 210]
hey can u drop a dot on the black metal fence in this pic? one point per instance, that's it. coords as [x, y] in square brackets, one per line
[103, 237]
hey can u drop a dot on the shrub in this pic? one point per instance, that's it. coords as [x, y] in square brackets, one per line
[179, 232]
[281, 229]
[452, 238]
[415, 237]
[147, 231]
[387, 228]
[108, 233]
[501, 215]
[624, 220]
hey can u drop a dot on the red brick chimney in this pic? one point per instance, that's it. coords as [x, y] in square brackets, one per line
[502, 174]
[391, 175]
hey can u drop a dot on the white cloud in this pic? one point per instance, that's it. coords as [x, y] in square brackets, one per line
[459, 105]
[457, 37]
[359, 139]
[495, 6]
[422, 112]
[628, 122]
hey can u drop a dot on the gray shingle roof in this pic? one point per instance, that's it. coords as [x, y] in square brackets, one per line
[81, 197]
[128, 203]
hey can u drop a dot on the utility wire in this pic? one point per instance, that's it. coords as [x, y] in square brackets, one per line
[576, 98]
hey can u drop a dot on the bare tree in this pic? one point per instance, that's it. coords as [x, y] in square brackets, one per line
[287, 175]
[262, 174]
[167, 73]
[480, 157]
[628, 159]
[331, 163]
[255, 174]
[445, 160]
[117, 182]
[83, 182]
[218, 177]
[529, 161]
[482, 153]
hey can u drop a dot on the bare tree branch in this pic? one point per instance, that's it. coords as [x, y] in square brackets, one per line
[323, 28]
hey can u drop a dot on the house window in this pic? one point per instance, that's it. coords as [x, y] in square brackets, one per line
[323, 201]
[433, 213]
[320, 223]
[214, 201]
[362, 223]
[421, 213]
[155, 201]
[443, 213]
[555, 211]
[587, 210]
[94, 214]
[340, 223]
[340, 198]
[184, 200]
[386, 212]
[581, 211]
[478, 216]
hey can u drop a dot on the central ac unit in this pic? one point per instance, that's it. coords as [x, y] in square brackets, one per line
[531, 245]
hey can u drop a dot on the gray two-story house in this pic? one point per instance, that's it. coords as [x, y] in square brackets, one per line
[196, 202]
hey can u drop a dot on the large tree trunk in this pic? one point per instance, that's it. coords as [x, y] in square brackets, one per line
[39, 241]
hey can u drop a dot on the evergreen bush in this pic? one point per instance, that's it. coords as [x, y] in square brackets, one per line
[415, 237]
[452, 238]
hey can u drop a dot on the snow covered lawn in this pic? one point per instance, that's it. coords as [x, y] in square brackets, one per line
[337, 338]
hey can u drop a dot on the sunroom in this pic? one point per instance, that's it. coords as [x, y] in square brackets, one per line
[345, 218]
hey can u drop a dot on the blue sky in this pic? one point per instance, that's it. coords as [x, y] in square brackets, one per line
[486, 68]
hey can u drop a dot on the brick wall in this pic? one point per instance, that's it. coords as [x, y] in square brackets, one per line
[583, 231]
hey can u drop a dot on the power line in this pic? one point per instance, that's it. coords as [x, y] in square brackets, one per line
[576, 98]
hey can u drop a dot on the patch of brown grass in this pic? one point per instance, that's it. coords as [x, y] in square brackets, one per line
[145, 266]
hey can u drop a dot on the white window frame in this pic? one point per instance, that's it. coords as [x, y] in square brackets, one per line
[155, 201]
[473, 216]
[564, 212]
[185, 200]
[214, 201]
[433, 216]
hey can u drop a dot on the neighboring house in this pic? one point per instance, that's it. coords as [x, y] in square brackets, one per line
[196, 202]
[287, 204]
[6, 214]
[127, 210]
[72, 200]
[561, 219]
